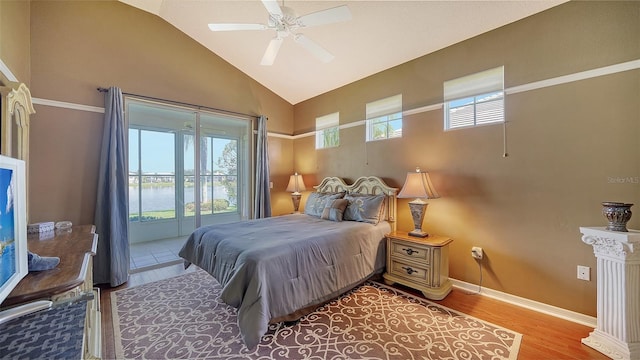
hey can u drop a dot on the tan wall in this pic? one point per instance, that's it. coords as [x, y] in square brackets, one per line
[565, 143]
[77, 46]
[14, 38]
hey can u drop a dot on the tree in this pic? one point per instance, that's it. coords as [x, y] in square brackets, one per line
[382, 127]
[328, 137]
[228, 162]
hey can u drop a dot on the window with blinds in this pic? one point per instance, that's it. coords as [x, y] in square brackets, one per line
[476, 99]
[328, 131]
[384, 118]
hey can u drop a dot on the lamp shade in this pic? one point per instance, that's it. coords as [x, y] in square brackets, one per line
[418, 185]
[296, 184]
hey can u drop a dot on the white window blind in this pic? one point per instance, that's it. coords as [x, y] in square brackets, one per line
[328, 121]
[479, 83]
[384, 118]
[386, 106]
[328, 131]
[476, 99]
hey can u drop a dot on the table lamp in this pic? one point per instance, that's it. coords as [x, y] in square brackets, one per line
[418, 185]
[295, 186]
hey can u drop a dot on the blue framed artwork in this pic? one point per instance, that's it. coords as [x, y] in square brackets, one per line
[13, 224]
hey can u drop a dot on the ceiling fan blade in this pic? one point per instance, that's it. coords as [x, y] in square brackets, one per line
[231, 27]
[272, 7]
[311, 46]
[328, 16]
[271, 52]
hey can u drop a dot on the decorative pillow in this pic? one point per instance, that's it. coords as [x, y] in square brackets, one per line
[318, 201]
[364, 208]
[335, 210]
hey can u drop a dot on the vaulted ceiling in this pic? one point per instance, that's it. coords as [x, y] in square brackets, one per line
[380, 35]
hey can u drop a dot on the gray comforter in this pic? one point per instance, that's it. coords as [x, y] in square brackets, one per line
[272, 267]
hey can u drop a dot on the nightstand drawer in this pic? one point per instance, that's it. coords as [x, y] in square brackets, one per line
[410, 271]
[420, 263]
[411, 251]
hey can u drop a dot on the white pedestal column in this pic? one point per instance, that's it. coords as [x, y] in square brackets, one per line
[618, 253]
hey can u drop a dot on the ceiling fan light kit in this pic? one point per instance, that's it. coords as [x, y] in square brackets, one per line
[285, 22]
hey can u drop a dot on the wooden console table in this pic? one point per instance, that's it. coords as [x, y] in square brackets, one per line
[71, 278]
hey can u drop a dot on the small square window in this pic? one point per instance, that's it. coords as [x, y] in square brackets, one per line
[473, 100]
[328, 131]
[384, 118]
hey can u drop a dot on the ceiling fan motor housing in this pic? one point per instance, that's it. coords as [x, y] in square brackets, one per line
[286, 23]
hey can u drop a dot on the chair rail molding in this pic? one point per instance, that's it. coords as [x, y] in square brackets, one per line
[559, 80]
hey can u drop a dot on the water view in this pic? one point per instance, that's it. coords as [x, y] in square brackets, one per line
[160, 201]
[7, 260]
[154, 183]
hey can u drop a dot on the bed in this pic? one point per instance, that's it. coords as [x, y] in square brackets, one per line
[279, 268]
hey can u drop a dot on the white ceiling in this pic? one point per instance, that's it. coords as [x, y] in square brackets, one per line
[381, 34]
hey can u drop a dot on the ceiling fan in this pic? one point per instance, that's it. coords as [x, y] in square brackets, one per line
[285, 22]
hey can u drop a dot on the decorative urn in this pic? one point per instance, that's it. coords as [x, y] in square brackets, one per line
[618, 214]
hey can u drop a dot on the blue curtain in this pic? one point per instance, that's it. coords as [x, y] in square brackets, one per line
[111, 262]
[262, 203]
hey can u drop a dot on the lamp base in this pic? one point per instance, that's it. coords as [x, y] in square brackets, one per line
[418, 233]
[296, 202]
[418, 208]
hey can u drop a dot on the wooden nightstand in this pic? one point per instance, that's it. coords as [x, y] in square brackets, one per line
[420, 263]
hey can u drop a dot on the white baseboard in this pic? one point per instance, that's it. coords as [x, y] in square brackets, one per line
[529, 304]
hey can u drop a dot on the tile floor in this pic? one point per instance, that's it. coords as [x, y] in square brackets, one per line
[155, 254]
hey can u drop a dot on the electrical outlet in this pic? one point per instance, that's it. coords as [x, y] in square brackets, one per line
[584, 273]
[476, 253]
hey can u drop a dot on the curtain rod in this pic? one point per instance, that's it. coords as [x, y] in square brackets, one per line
[104, 90]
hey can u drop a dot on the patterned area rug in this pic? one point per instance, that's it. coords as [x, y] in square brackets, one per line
[184, 318]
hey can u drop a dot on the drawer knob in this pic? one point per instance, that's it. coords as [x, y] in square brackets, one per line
[410, 251]
[409, 270]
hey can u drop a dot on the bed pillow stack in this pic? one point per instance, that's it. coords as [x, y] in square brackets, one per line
[334, 211]
[318, 201]
[364, 208]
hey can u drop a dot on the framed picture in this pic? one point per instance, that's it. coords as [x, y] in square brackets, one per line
[13, 224]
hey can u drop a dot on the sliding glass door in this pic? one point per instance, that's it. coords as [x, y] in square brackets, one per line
[169, 196]
[222, 172]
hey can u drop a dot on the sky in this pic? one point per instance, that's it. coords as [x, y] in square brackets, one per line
[158, 151]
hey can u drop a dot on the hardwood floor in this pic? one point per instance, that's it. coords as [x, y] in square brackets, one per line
[544, 336]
